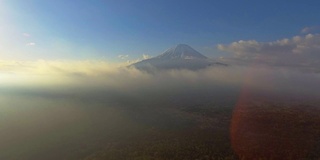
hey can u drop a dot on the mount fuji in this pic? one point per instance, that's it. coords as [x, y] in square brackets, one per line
[181, 56]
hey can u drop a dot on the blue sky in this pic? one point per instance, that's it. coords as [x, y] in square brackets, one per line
[105, 29]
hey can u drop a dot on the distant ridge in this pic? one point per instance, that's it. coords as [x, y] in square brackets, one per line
[181, 56]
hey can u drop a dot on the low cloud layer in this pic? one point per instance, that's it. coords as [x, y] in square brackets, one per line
[103, 79]
[299, 51]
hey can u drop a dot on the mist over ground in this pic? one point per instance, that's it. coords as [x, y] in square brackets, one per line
[71, 110]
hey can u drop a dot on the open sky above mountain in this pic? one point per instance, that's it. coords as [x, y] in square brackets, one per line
[49, 38]
[120, 31]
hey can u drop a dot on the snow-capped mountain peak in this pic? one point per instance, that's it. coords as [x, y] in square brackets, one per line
[181, 56]
[181, 51]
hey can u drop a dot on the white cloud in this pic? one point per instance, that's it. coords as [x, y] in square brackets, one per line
[297, 51]
[133, 61]
[26, 34]
[310, 29]
[123, 56]
[145, 56]
[31, 44]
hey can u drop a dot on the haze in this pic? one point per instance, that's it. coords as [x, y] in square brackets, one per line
[68, 89]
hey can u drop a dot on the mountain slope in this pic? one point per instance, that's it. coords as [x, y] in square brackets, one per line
[181, 51]
[180, 56]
